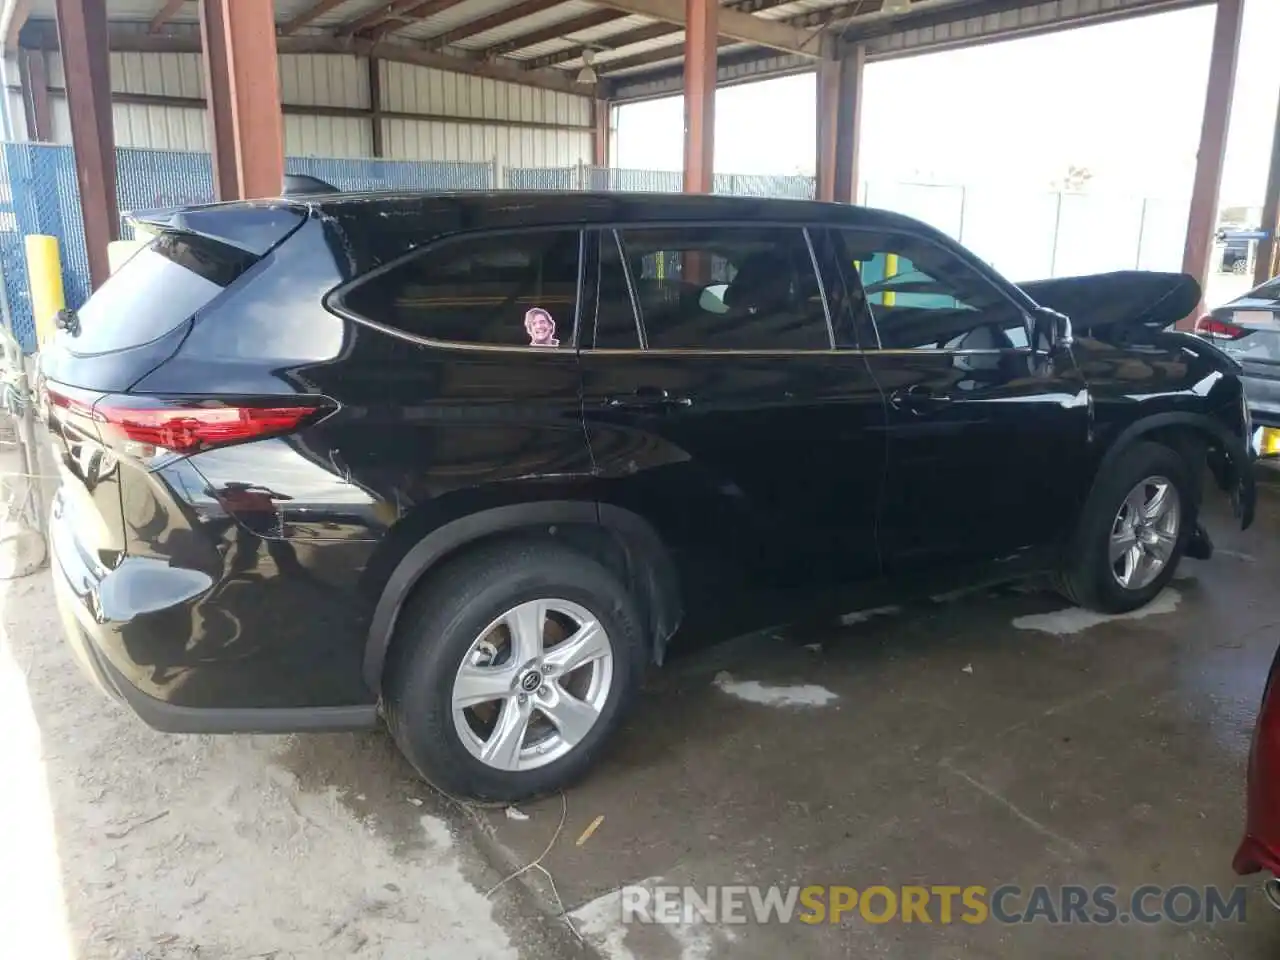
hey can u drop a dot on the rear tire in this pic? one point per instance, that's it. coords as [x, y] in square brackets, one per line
[1123, 535]
[463, 636]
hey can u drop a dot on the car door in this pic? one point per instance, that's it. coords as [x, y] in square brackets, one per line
[986, 438]
[717, 409]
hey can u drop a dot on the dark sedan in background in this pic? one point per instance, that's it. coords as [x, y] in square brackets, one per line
[1248, 329]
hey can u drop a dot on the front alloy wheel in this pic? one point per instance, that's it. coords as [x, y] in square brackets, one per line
[1145, 532]
[532, 685]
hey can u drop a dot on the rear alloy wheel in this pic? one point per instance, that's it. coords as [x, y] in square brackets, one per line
[1132, 532]
[510, 668]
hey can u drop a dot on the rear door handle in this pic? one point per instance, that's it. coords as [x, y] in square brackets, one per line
[648, 398]
[917, 398]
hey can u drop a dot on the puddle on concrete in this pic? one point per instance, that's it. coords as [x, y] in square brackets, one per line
[775, 695]
[1076, 619]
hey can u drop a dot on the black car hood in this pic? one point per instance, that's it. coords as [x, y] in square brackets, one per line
[1130, 297]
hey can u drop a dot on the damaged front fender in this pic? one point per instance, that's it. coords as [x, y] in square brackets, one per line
[1231, 464]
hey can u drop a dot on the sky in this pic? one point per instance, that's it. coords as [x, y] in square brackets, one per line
[1122, 99]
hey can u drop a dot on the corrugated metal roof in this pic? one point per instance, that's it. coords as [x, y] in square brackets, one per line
[557, 14]
[453, 17]
[189, 12]
[288, 9]
[542, 49]
[657, 43]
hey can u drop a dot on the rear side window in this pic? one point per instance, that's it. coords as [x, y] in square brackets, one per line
[721, 288]
[508, 290]
[160, 286]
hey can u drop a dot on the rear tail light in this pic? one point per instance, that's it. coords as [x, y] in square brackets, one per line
[147, 427]
[1211, 326]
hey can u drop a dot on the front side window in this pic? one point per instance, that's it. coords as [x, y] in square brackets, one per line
[923, 296]
[509, 290]
[718, 288]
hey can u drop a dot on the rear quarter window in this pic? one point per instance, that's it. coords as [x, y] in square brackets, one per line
[162, 285]
[508, 290]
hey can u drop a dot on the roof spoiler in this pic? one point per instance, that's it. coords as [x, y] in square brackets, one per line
[301, 185]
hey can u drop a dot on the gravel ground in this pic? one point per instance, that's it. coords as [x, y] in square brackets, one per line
[119, 842]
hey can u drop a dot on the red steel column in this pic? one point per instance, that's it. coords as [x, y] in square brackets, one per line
[1203, 217]
[82, 38]
[1265, 267]
[828, 120]
[243, 80]
[699, 94]
[839, 124]
[600, 110]
[849, 129]
[222, 141]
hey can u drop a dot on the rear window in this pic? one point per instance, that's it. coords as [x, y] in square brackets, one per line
[509, 290]
[159, 287]
[1268, 291]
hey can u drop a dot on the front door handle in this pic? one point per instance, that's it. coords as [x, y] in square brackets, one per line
[648, 398]
[917, 398]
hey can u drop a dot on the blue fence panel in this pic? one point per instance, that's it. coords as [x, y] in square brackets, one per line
[40, 180]
[369, 174]
[543, 178]
[157, 179]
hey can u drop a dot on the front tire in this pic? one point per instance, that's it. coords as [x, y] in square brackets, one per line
[511, 668]
[1132, 532]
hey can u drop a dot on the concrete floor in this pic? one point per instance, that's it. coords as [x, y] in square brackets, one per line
[972, 741]
[962, 748]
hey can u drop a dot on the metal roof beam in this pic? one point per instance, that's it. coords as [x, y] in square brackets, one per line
[588, 21]
[616, 42]
[165, 14]
[379, 14]
[500, 18]
[307, 15]
[730, 23]
[43, 35]
[639, 35]
[410, 16]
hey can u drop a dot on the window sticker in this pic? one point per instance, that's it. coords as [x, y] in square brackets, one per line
[541, 328]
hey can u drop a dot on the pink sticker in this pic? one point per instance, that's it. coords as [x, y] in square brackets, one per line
[541, 328]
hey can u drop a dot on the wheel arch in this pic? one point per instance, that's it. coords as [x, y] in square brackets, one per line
[1228, 457]
[620, 539]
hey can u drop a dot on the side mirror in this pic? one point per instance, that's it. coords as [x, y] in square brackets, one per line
[1049, 329]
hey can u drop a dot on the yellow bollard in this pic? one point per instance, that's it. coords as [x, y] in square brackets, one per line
[890, 270]
[44, 271]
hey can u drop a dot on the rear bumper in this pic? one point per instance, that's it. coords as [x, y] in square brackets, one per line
[77, 589]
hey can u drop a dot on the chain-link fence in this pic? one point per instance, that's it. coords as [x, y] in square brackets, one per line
[1023, 234]
[39, 194]
[1035, 234]
[614, 179]
[368, 174]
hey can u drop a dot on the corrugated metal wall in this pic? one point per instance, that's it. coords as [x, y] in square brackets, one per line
[343, 81]
[412, 89]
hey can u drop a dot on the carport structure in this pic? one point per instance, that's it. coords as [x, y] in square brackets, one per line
[598, 52]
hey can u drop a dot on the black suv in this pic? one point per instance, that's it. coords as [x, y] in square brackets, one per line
[467, 462]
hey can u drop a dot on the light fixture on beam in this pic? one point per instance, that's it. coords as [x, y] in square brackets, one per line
[588, 73]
